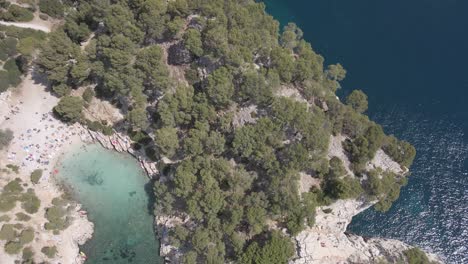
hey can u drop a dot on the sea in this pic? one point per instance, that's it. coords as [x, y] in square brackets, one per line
[411, 59]
[118, 198]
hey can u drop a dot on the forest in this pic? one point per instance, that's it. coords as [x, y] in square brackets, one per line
[237, 184]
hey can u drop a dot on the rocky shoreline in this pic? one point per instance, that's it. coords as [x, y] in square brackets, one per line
[326, 242]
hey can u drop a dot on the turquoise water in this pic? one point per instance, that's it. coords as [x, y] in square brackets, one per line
[410, 58]
[118, 198]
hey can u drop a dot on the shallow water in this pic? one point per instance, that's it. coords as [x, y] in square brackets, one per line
[118, 198]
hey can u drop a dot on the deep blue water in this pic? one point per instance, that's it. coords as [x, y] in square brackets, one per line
[410, 57]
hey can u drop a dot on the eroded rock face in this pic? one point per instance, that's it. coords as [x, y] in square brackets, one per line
[179, 55]
[327, 241]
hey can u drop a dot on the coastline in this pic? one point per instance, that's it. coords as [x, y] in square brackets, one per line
[39, 142]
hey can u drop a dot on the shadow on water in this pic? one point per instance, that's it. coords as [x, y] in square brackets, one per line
[151, 197]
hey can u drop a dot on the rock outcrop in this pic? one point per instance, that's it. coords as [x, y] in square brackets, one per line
[122, 143]
[328, 242]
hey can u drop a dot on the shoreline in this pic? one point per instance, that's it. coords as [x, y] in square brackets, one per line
[39, 141]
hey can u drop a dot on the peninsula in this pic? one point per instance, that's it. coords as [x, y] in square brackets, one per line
[254, 158]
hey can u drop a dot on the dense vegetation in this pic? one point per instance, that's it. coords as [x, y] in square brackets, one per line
[238, 184]
[17, 47]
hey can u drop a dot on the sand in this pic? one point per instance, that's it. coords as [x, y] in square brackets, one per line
[39, 141]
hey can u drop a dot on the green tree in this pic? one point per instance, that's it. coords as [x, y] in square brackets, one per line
[167, 141]
[357, 99]
[69, 108]
[193, 42]
[53, 8]
[220, 88]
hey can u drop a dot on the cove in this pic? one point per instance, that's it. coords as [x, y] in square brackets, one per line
[118, 197]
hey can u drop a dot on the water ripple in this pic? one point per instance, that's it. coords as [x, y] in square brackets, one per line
[432, 211]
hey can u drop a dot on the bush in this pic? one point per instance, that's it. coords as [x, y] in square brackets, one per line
[357, 100]
[7, 202]
[13, 186]
[88, 95]
[22, 217]
[416, 256]
[28, 255]
[69, 108]
[56, 215]
[7, 232]
[7, 48]
[26, 236]
[12, 247]
[30, 202]
[36, 176]
[53, 8]
[17, 13]
[49, 251]
[6, 136]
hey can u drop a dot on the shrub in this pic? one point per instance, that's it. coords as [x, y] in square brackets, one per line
[88, 95]
[17, 13]
[7, 202]
[6, 136]
[7, 232]
[12, 247]
[22, 217]
[26, 236]
[28, 255]
[13, 186]
[36, 176]
[56, 215]
[53, 8]
[7, 48]
[416, 256]
[49, 251]
[69, 108]
[30, 202]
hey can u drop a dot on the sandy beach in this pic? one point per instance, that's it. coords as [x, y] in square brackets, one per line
[39, 140]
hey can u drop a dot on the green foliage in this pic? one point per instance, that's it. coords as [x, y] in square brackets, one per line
[13, 247]
[36, 176]
[28, 255]
[7, 48]
[6, 136]
[416, 256]
[26, 236]
[49, 251]
[57, 217]
[22, 217]
[149, 61]
[7, 232]
[17, 13]
[357, 99]
[254, 87]
[346, 188]
[61, 59]
[385, 186]
[53, 8]
[69, 108]
[88, 95]
[10, 76]
[400, 151]
[29, 202]
[219, 87]
[277, 249]
[193, 42]
[167, 141]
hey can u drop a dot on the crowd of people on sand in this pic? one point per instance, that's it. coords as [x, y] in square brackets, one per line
[41, 143]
